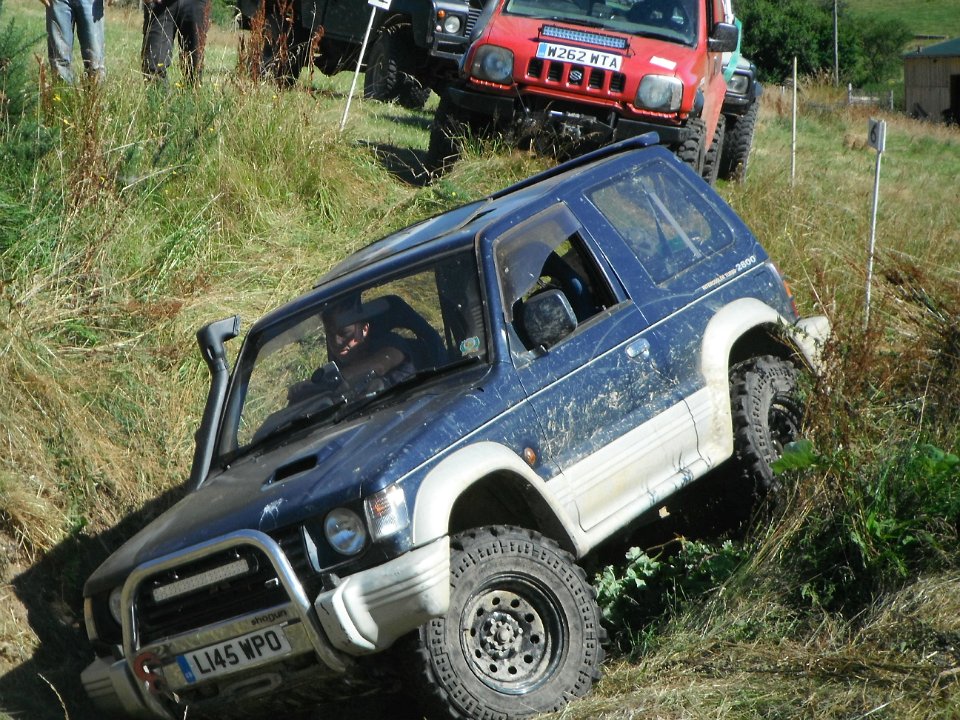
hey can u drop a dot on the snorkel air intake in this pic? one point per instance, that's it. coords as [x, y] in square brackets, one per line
[212, 339]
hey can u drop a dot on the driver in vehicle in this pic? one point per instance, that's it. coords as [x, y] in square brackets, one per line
[369, 356]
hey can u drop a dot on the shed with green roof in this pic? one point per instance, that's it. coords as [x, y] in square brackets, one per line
[931, 78]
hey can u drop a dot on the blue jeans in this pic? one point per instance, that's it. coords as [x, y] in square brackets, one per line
[87, 17]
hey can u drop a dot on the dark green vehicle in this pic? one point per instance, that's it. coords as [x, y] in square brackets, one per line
[414, 45]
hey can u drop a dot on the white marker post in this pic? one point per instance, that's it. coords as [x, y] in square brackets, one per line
[793, 130]
[877, 139]
[375, 5]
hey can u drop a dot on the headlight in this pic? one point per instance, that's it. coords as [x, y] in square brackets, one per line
[387, 512]
[345, 531]
[114, 604]
[662, 93]
[493, 63]
[452, 24]
[738, 84]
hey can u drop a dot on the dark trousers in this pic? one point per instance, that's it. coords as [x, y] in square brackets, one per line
[185, 20]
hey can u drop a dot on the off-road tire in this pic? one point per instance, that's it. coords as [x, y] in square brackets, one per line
[767, 415]
[735, 156]
[711, 161]
[693, 150]
[390, 69]
[381, 79]
[522, 635]
[413, 94]
[286, 46]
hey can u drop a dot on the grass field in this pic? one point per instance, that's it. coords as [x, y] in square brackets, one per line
[923, 17]
[132, 215]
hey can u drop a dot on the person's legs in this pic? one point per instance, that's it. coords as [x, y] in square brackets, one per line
[89, 18]
[60, 38]
[158, 32]
[192, 23]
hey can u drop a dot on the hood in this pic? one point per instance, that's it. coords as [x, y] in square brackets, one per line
[309, 475]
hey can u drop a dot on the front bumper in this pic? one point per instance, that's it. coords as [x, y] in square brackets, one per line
[368, 611]
[364, 614]
[613, 126]
[811, 335]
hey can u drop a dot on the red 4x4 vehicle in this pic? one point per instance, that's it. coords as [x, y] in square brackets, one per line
[596, 71]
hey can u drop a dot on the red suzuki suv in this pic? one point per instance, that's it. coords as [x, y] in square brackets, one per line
[593, 71]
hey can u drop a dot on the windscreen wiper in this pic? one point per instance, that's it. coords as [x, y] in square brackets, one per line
[579, 21]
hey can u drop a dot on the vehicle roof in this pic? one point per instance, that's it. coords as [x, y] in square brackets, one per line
[457, 228]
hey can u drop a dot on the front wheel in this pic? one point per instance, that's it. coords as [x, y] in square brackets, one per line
[711, 161]
[693, 150]
[522, 635]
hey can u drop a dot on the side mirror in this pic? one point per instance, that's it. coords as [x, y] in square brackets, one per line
[724, 38]
[548, 318]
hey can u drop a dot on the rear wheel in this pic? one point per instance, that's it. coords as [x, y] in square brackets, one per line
[693, 150]
[522, 635]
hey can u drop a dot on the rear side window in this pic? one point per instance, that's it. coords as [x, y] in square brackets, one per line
[664, 219]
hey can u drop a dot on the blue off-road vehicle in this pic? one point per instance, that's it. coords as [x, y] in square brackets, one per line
[405, 465]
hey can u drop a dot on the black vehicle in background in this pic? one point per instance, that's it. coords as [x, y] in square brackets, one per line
[414, 45]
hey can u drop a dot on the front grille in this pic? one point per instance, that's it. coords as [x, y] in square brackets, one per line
[257, 589]
[577, 76]
[472, 16]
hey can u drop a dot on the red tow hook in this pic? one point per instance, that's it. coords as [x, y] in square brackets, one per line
[146, 667]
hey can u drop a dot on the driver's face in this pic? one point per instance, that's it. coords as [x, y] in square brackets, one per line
[348, 337]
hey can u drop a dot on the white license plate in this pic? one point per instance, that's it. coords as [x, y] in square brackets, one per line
[231, 655]
[581, 56]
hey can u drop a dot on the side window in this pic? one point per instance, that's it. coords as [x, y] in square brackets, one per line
[666, 222]
[547, 253]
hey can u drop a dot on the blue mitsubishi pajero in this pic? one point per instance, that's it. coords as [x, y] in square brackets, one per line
[404, 466]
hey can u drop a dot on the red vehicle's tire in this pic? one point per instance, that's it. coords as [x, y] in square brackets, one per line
[693, 150]
[711, 161]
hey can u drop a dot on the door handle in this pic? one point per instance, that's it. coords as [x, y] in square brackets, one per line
[639, 350]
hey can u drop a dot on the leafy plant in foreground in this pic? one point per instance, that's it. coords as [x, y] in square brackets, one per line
[649, 589]
[883, 526]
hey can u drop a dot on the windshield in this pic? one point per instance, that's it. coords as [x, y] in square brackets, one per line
[672, 20]
[351, 349]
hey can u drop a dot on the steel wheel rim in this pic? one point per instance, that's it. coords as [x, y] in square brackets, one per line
[511, 634]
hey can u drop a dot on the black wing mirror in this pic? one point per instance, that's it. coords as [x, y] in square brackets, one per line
[548, 318]
[724, 38]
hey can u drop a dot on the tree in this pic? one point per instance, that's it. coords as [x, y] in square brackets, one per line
[776, 31]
